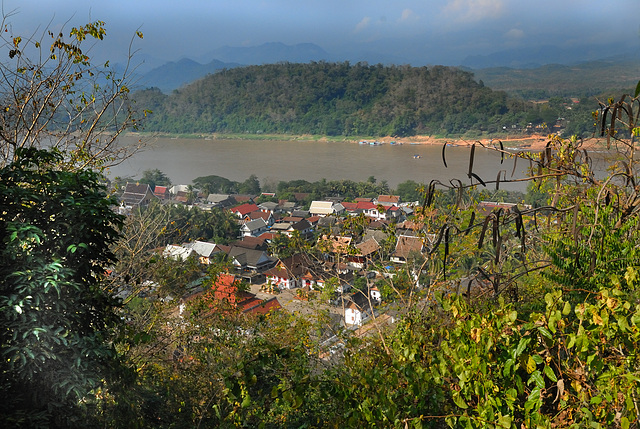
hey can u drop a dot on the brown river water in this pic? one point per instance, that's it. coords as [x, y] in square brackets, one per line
[271, 161]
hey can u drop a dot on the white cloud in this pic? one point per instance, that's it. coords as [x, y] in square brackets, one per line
[408, 16]
[514, 34]
[362, 24]
[474, 10]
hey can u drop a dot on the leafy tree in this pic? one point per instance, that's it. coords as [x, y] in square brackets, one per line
[56, 228]
[155, 178]
[251, 186]
[60, 99]
[409, 191]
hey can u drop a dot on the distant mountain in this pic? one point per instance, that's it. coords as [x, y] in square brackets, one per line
[576, 80]
[532, 57]
[271, 53]
[173, 75]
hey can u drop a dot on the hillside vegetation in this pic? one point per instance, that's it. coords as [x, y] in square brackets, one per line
[333, 99]
[557, 80]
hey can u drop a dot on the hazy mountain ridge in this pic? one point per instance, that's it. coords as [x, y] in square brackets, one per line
[576, 80]
[174, 75]
[545, 69]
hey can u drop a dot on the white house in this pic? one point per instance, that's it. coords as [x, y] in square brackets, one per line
[177, 252]
[253, 228]
[325, 208]
[357, 309]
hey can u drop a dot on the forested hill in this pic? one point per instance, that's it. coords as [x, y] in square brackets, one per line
[332, 99]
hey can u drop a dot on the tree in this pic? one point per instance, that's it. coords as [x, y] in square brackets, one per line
[56, 227]
[155, 178]
[251, 186]
[61, 100]
[56, 224]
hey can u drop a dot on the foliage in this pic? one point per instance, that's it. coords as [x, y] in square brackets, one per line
[61, 100]
[56, 227]
[155, 177]
[332, 99]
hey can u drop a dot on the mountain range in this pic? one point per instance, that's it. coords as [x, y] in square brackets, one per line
[168, 76]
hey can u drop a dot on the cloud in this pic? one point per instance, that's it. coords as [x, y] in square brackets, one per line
[362, 24]
[514, 34]
[474, 10]
[408, 16]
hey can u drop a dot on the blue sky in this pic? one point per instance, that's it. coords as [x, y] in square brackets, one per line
[436, 32]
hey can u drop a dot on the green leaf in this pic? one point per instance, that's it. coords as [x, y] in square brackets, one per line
[624, 422]
[505, 421]
[530, 365]
[457, 399]
[637, 91]
[545, 332]
[549, 373]
[246, 402]
[521, 346]
[536, 376]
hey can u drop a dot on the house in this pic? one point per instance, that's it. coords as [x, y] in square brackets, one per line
[335, 244]
[281, 227]
[178, 188]
[302, 227]
[255, 243]
[288, 272]
[162, 192]
[182, 197]
[365, 252]
[177, 252]
[357, 308]
[268, 206]
[249, 260]
[220, 200]
[266, 216]
[300, 213]
[405, 246]
[253, 228]
[225, 289]
[137, 195]
[388, 200]
[244, 209]
[325, 208]
[313, 220]
[374, 211]
[375, 294]
[244, 198]
[205, 250]
[287, 206]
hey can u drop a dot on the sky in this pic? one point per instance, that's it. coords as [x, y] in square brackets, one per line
[418, 31]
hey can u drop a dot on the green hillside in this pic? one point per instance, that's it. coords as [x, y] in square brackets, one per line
[585, 79]
[333, 99]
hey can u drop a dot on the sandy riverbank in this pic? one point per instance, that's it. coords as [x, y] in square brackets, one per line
[533, 142]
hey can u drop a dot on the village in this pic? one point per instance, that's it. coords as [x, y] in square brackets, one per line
[358, 248]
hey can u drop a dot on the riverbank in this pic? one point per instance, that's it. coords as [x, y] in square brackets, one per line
[532, 142]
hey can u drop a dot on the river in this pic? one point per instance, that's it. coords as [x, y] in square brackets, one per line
[271, 161]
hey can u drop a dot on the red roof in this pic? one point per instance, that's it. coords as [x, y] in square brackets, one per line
[263, 307]
[245, 209]
[349, 206]
[362, 205]
[389, 199]
[267, 236]
[313, 219]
